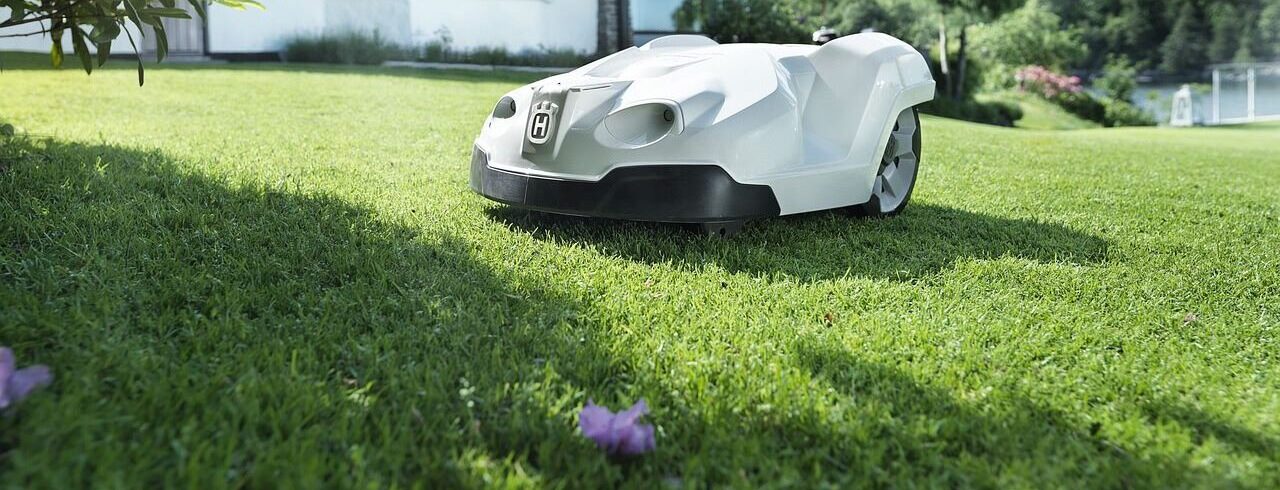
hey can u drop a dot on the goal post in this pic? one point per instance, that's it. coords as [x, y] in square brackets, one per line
[1245, 93]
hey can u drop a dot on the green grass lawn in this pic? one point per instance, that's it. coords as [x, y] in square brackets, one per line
[276, 276]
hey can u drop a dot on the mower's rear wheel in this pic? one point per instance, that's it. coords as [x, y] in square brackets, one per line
[898, 168]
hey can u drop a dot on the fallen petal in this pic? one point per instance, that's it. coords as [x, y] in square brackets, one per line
[6, 365]
[595, 422]
[16, 384]
[637, 439]
[634, 413]
[620, 434]
[27, 379]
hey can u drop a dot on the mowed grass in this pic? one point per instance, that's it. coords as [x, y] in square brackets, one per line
[275, 275]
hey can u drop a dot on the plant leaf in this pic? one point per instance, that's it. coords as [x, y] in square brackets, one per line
[17, 10]
[135, 53]
[81, 49]
[104, 52]
[241, 4]
[162, 42]
[174, 13]
[105, 31]
[55, 51]
[131, 10]
[199, 6]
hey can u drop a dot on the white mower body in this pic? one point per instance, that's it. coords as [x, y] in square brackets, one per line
[687, 130]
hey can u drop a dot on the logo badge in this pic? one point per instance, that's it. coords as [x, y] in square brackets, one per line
[542, 122]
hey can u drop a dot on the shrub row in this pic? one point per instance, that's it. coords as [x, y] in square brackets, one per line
[351, 48]
[359, 48]
[993, 112]
[441, 52]
[1104, 110]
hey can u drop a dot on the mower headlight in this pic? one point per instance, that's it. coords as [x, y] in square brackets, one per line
[505, 108]
[643, 124]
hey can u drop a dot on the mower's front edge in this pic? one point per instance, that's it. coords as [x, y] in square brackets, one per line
[703, 194]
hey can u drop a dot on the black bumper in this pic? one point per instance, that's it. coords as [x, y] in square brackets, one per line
[667, 193]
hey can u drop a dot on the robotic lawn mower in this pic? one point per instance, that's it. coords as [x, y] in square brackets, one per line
[685, 130]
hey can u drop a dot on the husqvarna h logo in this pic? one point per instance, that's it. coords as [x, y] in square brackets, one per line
[542, 122]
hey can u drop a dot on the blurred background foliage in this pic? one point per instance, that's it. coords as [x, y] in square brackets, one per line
[978, 46]
[1166, 35]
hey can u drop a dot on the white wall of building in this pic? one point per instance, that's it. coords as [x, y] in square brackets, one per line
[259, 31]
[389, 18]
[30, 44]
[41, 43]
[512, 24]
[230, 30]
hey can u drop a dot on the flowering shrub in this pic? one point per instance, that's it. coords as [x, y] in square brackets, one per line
[1046, 82]
[1068, 93]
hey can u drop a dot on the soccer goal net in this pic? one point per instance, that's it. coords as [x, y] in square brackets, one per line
[1245, 92]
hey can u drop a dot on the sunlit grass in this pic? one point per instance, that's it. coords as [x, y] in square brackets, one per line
[276, 276]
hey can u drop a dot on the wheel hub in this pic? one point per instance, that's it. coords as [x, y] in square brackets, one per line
[898, 165]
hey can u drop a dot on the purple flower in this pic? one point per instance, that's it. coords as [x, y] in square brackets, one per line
[16, 384]
[617, 435]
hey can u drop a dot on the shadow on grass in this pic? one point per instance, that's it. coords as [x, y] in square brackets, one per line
[923, 240]
[988, 442]
[209, 331]
[1270, 126]
[1204, 425]
[214, 332]
[887, 428]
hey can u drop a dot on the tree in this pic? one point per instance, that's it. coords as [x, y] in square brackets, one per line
[1183, 50]
[1127, 27]
[100, 22]
[742, 21]
[1268, 30]
[1119, 78]
[1031, 35]
[969, 12]
[1252, 46]
[1224, 25]
[857, 15]
[909, 20]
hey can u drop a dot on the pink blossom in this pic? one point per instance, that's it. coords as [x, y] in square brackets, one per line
[1046, 82]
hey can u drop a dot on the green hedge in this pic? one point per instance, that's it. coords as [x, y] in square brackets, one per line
[351, 48]
[993, 112]
[437, 51]
[361, 48]
[1103, 110]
